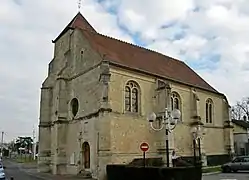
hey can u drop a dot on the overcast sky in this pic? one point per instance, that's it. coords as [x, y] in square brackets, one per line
[211, 36]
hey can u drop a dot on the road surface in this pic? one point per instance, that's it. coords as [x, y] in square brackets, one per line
[228, 176]
[13, 170]
[29, 172]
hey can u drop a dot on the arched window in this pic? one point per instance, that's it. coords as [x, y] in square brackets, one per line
[209, 111]
[131, 96]
[175, 101]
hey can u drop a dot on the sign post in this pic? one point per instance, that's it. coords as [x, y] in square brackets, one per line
[144, 147]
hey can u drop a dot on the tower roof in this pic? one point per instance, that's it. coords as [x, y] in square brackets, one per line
[77, 22]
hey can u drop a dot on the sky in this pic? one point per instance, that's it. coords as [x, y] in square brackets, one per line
[211, 36]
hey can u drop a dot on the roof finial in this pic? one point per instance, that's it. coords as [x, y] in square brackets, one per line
[79, 5]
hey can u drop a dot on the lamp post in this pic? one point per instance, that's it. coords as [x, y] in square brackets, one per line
[170, 119]
[197, 135]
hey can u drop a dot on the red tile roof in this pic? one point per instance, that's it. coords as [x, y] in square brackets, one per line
[77, 22]
[135, 57]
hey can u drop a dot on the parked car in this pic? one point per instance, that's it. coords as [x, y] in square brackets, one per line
[2, 174]
[239, 163]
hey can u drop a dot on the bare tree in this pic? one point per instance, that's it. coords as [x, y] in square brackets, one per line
[240, 111]
[236, 112]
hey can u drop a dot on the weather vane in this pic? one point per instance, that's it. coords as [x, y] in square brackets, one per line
[79, 4]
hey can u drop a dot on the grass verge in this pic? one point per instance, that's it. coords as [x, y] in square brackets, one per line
[25, 160]
[211, 169]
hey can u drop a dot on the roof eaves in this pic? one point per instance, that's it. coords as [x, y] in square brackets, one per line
[62, 33]
[225, 98]
[160, 76]
[200, 77]
[140, 47]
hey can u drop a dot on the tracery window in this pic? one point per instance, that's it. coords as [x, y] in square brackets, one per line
[209, 111]
[131, 96]
[175, 101]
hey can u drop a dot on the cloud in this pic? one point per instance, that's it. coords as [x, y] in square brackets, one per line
[26, 49]
[210, 35]
[136, 15]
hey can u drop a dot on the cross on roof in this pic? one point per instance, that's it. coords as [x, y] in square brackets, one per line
[79, 5]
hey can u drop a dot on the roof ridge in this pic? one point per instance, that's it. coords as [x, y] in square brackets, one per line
[140, 47]
[135, 45]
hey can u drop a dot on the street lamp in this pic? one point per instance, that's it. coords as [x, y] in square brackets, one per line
[197, 135]
[170, 119]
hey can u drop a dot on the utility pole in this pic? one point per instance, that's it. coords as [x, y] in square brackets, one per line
[34, 144]
[2, 144]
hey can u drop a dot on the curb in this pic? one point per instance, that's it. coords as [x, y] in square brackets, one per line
[39, 176]
[36, 176]
[211, 173]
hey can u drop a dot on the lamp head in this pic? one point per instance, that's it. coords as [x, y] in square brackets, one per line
[194, 130]
[173, 121]
[151, 117]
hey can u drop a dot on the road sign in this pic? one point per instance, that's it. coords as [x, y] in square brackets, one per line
[144, 146]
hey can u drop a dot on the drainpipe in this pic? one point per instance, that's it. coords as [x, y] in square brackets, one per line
[98, 154]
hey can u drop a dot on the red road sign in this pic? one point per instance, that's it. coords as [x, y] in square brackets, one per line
[144, 146]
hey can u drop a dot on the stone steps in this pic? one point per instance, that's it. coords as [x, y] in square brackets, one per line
[85, 174]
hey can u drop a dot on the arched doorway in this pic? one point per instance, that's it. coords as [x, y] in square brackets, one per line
[86, 155]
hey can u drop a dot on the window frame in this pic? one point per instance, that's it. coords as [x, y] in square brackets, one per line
[209, 111]
[131, 102]
[175, 95]
[74, 107]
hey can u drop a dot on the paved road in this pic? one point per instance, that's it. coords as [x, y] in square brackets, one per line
[29, 172]
[13, 171]
[228, 176]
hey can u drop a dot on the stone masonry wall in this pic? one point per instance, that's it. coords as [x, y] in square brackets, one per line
[129, 129]
[74, 72]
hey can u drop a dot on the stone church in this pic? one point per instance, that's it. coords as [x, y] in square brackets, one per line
[98, 93]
